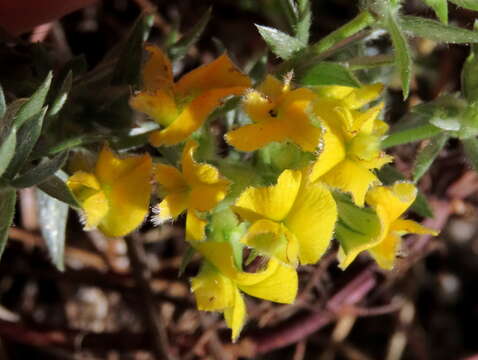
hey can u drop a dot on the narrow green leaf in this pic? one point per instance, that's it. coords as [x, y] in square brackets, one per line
[440, 7]
[8, 198]
[280, 43]
[467, 4]
[3, 104]
[403, 58]
[34, 104]
[41, 172]
[370, 62]
[420, 132]
[27, 137]
[185, 260]
[437, 31]
[128, 66]
[470, 146]
[52, 217]
[56, 187]
[62, 95]
[7, 150]
[428, 154]
[304, 21]
[469, 73]
[7, 121]
[421, 206]
[328, 73]
[180, 48]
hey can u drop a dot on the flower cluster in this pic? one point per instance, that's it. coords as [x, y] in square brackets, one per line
[254, 221]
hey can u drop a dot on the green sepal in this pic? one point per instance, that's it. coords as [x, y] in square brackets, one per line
[56, 187]
[357, 228]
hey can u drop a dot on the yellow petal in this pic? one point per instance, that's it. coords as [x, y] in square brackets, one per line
[255, 136]
[258, 106]
[235, 315]
[385, 252]
[128, 197]
[157, 71]
[312, 220]
[206, 197]
[350, 177]
[362, 96]
[271, 87]
[274, 240]
[332, 153]
[194, 172]
[403, 227]
[170, 179]
[221, 73]
[298, 126]
[83, 185]
[160, 105]
[366, 120]
[95, 208]
[280, 286]
[395, 200]
[195, 227]
[171, 206]
[212, 290]
[272, 202]
[192, 116]
[110, 168]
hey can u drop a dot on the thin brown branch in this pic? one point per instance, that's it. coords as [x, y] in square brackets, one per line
[152, 316]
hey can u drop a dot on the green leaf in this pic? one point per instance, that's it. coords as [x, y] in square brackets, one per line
[388, 175]
[467, 4]
[41, 172]
[370, 62]
[52, 217]
[27, 137]
[469, 73]
[56, 187]
[280, 43]
[179, 49]
[34, 104]
[62, 95]
[409, 135]
[328, 73]
[470, 146]
[7, 150]
[8, 198]
[428, 154]
[128, 66]
[403, 57]
[357, 229]
[437, 31]
[185, 260]
[7, 121]
[440, 7]
[303, 22]
[3, 104]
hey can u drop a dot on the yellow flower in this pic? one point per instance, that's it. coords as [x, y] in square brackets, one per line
[217, 287]
[389, 202]
[291, 220]
[182, 107]
[199, 187]
[351, 142]
[279, 114]
[115, 198]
